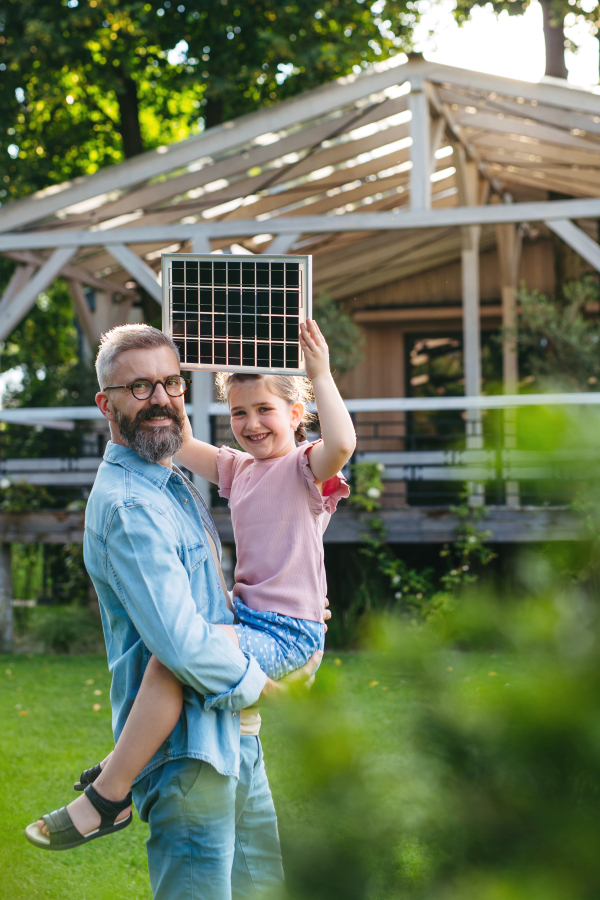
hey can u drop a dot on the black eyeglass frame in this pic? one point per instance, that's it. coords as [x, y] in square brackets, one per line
[114, 387]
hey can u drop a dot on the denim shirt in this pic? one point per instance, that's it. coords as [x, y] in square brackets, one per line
[145, 548]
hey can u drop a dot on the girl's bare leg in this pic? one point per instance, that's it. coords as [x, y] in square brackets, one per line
[153, 717]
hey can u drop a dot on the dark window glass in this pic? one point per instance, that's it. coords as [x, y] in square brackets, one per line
[191, 273]
[262, 354]
[277, 355]
[206, 352]
[291, 356]
[206, 275]
[248, 353]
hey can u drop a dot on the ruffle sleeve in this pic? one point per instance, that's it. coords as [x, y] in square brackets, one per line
[334, 489]
[227, 461]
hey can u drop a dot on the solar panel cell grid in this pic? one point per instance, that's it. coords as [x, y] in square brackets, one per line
[237, 314]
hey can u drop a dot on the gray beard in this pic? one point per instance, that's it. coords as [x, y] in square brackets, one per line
[156, 444]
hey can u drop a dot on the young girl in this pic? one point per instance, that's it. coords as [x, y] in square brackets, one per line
[281, 496]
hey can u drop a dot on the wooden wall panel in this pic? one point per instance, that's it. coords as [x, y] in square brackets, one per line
[443, 284]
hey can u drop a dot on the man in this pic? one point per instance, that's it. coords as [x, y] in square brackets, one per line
[150, 548]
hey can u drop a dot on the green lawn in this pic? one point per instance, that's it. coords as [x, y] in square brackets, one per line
[50, 731]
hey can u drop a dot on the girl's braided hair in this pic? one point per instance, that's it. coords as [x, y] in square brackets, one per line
[291, 388]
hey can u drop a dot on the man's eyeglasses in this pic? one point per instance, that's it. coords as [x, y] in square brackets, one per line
[143, 388]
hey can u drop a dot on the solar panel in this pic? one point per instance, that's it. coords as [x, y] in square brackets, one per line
[237, 313]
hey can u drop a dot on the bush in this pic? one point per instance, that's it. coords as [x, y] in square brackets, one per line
[66, 629]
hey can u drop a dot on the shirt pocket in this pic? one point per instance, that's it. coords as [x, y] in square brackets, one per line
[195, 554]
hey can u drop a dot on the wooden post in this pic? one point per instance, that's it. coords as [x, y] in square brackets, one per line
[6, 614]
[467, 177]
[508, 240]
[202, 395]
[420, 151]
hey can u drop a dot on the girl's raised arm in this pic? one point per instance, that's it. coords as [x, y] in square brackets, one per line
[197, 456]
[337, 430]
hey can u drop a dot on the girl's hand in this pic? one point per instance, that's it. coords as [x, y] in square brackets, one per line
[315, 349]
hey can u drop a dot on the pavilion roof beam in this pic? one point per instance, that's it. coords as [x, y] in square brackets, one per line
[550, 153]
[140, 270]
[523, 177]
[150, 195]
[363, 221]
[545, 134]
[565, 119]
[578, 240]
[17, 281]
[75, 273]
[564, 96]
[283, 243]
[21, 303]
[318, 102]
[84, 313]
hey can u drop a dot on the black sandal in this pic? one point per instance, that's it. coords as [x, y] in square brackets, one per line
[87, 777]
[63, 834]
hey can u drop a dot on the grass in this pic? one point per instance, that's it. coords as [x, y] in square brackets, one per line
[51, 731]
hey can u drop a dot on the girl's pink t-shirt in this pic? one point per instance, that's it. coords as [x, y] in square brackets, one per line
[279, 517]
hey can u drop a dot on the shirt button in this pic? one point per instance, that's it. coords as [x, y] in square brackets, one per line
[185, 501]
[235, 714]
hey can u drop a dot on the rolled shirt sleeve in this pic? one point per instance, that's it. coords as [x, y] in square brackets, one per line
[145, 570]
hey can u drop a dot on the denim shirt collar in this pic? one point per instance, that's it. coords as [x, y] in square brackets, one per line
[154, 472]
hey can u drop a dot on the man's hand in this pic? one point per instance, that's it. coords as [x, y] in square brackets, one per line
[276, 691]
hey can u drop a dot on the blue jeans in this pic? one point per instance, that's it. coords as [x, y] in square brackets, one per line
[212, 837]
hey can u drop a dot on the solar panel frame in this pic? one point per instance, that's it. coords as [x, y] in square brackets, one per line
[237, 312]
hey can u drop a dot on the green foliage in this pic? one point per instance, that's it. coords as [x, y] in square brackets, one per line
[367, 485]
[99, 81]
[413, 591]
[341, 332]
[67, 629]
[19, 496]
[559, 344]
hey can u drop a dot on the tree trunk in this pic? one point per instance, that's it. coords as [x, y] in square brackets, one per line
[213, 112]
[6, 617]
[129, 113]
[554, 37]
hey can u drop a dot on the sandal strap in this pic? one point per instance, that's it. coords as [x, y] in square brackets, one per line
[108, 809]
[89, 775]
[61, 828]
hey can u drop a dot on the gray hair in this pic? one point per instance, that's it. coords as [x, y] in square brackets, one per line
[127, 337]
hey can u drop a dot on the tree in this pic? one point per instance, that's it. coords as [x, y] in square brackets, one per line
[554, 13]
[86, 83]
